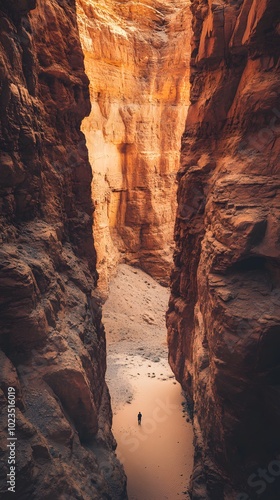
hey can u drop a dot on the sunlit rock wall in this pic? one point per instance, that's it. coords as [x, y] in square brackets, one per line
[52, 345]
[137, 60]
[224, 314]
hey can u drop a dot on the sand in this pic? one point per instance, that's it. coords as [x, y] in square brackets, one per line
[158, 455]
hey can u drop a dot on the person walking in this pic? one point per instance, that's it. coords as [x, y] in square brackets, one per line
[139, 418]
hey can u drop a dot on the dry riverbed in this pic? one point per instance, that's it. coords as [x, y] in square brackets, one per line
[158, 455]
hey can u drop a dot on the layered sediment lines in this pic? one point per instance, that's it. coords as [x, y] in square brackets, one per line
[224, 314]
[137, 60]
[51, 337]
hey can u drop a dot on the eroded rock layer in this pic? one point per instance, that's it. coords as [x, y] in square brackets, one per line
[137, 60]
[224, 314]
[51, 337]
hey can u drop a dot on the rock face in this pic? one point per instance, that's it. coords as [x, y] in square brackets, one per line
[51, 337]
[224, 314]
[137, 60]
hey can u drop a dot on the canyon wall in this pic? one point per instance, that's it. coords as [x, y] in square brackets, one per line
[51, 337]
[224, 314]
[137, 60]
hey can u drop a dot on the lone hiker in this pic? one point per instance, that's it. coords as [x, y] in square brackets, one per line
[139, 417]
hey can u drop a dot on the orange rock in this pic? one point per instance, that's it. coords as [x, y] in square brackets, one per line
[139, 93]
[223, 320]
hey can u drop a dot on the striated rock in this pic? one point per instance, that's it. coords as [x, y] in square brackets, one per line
[139, 92]
[223, 319]
[52, 343]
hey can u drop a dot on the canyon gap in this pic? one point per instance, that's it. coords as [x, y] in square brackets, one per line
[223, 318]
[52, 339]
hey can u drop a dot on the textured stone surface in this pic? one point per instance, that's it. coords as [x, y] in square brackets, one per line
[51, 337]
[224, 315]
[137, 59]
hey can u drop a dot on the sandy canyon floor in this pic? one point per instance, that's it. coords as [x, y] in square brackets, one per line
[158, 455]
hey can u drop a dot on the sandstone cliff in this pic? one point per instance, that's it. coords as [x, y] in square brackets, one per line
[224, 314]
[51, 337]
[137, 60]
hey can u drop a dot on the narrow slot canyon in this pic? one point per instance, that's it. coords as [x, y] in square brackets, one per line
[139, 249]
[133, 134]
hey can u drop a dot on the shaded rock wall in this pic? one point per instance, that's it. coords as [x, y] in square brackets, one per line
[51, 337]
[224, 316]
[137, 60]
